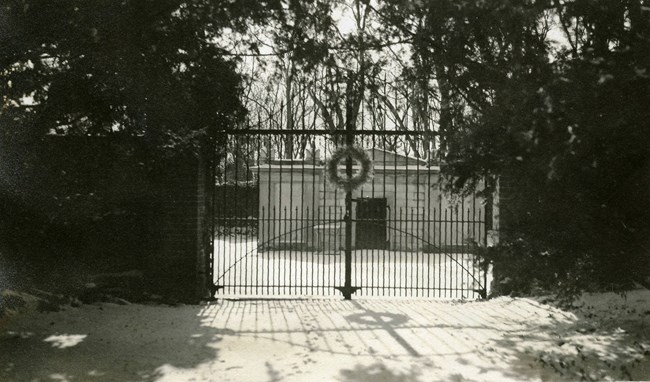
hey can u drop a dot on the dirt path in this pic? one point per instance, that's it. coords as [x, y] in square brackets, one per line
[331, 340]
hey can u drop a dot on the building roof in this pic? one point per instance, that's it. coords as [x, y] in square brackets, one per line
[387, 158]
[383, 160]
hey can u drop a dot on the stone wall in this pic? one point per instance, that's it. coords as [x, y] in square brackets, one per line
[177, 265]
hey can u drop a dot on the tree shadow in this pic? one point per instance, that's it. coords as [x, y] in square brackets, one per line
[530, 340]
[596, 340]
[108, 342]
[377, 373]
[518, 339]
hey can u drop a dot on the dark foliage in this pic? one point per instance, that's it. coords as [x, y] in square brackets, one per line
[78, 205]
[149, 68]
[149, 77]
[564, 126]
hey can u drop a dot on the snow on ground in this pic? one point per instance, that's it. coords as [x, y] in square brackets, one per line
[605, 337]
[246, 272]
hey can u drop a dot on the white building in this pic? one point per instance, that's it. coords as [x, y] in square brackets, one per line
[402, 208]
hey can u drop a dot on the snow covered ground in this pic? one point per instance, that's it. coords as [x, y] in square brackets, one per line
[246, 272]
[604, 337]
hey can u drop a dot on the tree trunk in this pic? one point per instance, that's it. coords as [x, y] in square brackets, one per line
[288, 141]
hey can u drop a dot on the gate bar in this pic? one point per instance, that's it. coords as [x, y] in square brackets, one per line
[347, 288]
[326, 132]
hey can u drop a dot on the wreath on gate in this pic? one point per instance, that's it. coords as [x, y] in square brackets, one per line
[357, 154]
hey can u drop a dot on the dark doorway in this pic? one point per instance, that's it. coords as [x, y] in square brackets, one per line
[371, 223]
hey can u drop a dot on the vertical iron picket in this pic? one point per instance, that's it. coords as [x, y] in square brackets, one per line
[279, 228]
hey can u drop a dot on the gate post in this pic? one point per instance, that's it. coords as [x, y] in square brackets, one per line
[347, 289]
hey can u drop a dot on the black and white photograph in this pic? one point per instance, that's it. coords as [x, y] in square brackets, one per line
[324, 190]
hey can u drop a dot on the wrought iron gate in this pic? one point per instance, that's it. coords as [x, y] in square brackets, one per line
[280, 228]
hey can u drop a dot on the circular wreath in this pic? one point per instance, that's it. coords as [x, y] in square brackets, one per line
[357, 154]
